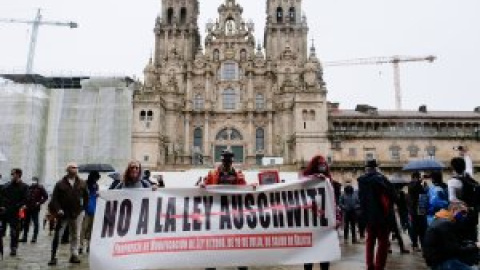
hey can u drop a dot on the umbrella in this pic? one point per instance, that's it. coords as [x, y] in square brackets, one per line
[424, 165]
[95, 167]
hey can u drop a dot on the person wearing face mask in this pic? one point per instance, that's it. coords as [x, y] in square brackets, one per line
[37, 195]
[444, 249]
[69, 198]
[318, 168]
[13, 199]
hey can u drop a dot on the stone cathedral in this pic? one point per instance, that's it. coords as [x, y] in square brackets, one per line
[202, 96]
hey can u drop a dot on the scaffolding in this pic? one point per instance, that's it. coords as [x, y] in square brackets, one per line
[48, 122]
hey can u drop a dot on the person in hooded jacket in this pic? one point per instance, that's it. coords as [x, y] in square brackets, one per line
[443, 246]
[377, 197]
[318, 168]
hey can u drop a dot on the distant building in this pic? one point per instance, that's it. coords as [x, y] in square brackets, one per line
[396, 137]
[49, 121]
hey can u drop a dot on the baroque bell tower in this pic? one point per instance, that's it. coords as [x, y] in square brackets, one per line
[286, 26]
[176, 30]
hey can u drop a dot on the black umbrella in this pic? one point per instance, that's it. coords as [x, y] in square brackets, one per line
[424, 165]
[95, 167]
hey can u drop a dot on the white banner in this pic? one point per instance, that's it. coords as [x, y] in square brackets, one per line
[282, 224]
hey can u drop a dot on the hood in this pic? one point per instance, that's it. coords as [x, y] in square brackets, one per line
[445, 214]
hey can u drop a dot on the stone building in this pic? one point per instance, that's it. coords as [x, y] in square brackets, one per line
[259, 101]
[396, 137]
[202, 96]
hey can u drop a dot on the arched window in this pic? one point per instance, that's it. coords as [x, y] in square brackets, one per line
[183, 15]
[198, 102]
[260, 139]
[216, 55]
[170, 16]
[229, 99]
[149, 116]
[229, 71]
[198, 139]
[227, 134]
[259, 102]
[143, 115]
[292, 15]
[279, 15]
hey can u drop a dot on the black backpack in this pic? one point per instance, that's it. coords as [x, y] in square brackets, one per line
[470, 191]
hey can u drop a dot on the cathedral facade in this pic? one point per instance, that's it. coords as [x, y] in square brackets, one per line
[228, 91]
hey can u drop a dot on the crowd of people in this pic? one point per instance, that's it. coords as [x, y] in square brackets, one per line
[440, 218]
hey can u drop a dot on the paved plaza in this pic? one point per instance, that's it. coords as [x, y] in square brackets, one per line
[35, 257]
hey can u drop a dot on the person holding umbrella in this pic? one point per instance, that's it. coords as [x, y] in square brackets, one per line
[87, 225]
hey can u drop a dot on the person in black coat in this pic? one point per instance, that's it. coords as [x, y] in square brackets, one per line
[13, 198]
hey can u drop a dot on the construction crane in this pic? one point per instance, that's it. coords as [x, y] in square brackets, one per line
[394, 60]
[36, 23]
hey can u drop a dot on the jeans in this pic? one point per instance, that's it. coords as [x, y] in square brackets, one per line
[377, 233]
[62, 224]
[31, 216]
[418, 229]
[452, 265]
[13, 223]
[350, 220]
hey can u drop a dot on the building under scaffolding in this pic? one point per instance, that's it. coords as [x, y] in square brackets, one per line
[47, 122]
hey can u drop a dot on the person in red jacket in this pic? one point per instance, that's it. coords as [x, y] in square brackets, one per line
[318, 168]
[225, 174]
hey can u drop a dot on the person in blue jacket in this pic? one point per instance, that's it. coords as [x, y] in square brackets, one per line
[437, 195]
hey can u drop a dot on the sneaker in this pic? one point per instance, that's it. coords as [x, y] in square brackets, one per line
[52, 262]
[74, 259]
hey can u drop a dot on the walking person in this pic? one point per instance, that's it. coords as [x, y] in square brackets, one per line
[377, 197]
[349, 203]
[70, 195]
[37, 196]
[318, 168]
[87, 224]
[225, 174]
[13, 200]
[417, 202]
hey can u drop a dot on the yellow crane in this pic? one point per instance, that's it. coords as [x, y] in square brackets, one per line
[36, 23]
[394, 60]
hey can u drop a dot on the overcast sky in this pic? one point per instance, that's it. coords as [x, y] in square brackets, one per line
[115, 36]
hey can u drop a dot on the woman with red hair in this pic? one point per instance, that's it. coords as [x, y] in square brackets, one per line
[318, 168]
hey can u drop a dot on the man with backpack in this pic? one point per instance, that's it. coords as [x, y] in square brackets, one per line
[417, 202]
[462, 187]
[376, 196]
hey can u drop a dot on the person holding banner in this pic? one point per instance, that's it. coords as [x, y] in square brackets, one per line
[225, 174]
[377, 197]
[133, 178]
[318, 168]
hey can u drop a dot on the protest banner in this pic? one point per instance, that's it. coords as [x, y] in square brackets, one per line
[282, 224]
